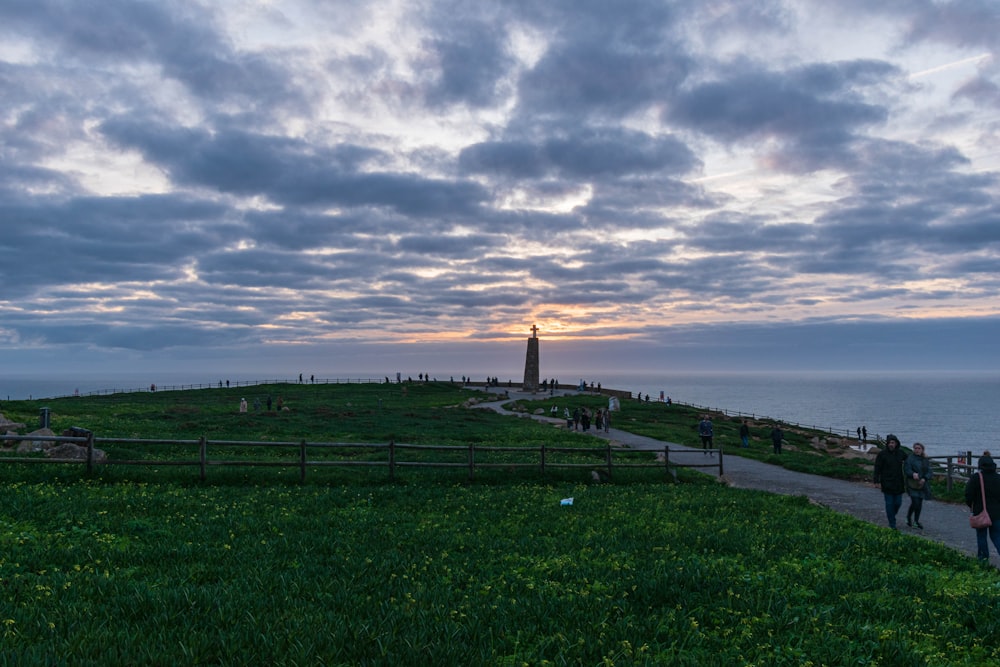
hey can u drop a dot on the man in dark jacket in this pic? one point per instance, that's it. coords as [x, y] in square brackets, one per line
[974, 499]
[889, 475]
[777, 436]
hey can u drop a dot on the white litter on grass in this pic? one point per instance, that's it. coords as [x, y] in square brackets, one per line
[566, 501]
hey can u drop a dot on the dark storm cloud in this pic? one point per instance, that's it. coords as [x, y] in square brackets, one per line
[14, 179]
[641, 202]
[965, 22]
[290, 171]
[187, 45]
[452, 246]
[589, 154]
[92, 239]
[604, 60]
[469, 62]
[816, 108]
[582, 79]
[910, 198]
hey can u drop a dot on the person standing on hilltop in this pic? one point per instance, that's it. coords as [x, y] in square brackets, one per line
[974, 499]
[889, 475]
[777, 437]
[706, 433]
[917, 471]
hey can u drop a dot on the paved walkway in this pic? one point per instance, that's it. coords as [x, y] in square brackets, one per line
[946, 523]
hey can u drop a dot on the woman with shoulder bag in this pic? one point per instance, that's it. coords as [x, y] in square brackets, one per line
[917, 472]
[985, 483]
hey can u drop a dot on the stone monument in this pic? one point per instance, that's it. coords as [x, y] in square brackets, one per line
[531, 363]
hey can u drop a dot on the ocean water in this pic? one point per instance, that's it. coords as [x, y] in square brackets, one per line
[950, 412]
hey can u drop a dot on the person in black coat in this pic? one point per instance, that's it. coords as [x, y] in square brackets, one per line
[889, 475]
[974, 499]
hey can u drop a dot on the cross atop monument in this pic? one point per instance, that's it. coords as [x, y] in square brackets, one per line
[534, 331]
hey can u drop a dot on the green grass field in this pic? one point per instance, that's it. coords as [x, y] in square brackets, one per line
[151, 567]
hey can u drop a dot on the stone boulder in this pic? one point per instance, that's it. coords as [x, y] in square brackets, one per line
[28, 446]
[7, 425]
[67, 450]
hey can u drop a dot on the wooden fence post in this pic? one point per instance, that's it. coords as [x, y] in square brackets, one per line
[472, 461]
[392, 460]
[203, 455]
[609, 460]
[302, 462]
[90, 452]
[720, 462]
[543, 459]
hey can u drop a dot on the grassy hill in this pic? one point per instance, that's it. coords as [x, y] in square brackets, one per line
[153, 567]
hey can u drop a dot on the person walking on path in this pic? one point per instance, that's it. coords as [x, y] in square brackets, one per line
[917, 471]
[974, 499]
[745, 434]
[705, 431]
[777, 435]
[889, 475]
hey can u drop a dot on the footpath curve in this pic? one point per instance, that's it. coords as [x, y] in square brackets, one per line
[946, 523]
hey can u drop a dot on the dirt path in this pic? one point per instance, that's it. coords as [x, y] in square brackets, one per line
[946, 523]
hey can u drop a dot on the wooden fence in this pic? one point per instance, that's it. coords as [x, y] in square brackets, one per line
[392, 455]
[954, 468]
[957, 468]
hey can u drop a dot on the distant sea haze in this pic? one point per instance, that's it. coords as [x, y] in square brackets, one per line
[949, 412]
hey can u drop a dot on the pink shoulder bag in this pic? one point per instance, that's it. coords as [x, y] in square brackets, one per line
[981, 520]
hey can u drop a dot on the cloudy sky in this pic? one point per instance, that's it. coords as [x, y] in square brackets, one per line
[335, 186]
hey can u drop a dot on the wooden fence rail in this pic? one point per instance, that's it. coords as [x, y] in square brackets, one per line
[392, 455]
[955, 468]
